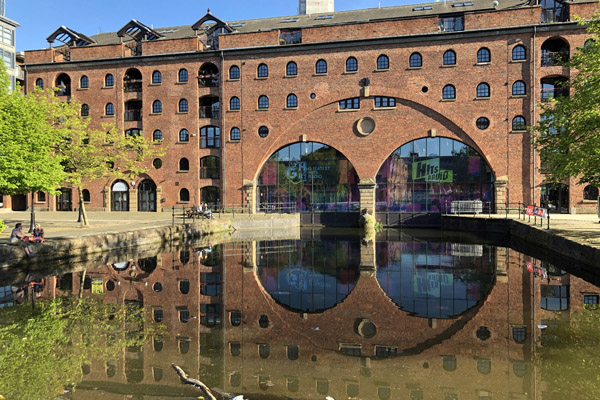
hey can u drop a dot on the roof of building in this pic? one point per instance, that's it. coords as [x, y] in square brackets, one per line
[9, 21]
[334, 18]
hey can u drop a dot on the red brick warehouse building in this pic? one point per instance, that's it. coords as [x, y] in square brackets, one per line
[398, 109]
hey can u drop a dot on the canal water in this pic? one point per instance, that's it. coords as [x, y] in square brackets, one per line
[410, 315]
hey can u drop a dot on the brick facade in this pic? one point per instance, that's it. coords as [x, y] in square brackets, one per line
[420, 110]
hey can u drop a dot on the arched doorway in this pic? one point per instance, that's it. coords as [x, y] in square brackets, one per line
[308, 176]
[120, 196]
[147, 196]
[64, 201]
[555, 197]
[63, 83]
[428, 174]
[210, 195]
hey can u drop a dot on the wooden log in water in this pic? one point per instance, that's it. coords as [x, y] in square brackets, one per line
[194, 382]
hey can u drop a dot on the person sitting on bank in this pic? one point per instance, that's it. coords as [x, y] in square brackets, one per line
[207, 213]
[38, 234]
[18, 238]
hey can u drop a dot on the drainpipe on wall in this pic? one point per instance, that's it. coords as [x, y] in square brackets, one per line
[222, 129]
[534, 87]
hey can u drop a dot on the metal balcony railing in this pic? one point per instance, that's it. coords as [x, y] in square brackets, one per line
[208, 112]
[133, 115]
[547, 94]
[552, 58]
[132, 86]
[209, 80]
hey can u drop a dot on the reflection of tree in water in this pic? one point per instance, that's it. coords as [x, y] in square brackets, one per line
[49, 347]
[569, 356]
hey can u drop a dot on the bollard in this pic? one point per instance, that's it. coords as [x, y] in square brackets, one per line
[548, 221]
[172, 216]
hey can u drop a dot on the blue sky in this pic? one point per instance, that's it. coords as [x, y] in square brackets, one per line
[39, 18]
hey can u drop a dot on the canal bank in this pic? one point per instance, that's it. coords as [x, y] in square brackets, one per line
[110, 232]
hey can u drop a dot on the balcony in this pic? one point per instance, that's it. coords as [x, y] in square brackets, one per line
[208, 80]
[132, 86]
[133, 115]
[550, 59]
[208, 112]
[553, 93]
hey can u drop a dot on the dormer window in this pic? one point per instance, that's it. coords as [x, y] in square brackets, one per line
[451, 23]
[293, 36]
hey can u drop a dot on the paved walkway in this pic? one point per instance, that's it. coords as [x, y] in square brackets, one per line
[581, 228]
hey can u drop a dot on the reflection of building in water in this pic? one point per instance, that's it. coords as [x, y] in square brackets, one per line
[430, 319]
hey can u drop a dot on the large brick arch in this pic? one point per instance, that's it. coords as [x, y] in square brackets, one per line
[410, 120]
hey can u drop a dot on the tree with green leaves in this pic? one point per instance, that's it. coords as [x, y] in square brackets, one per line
[568, 133]
[29, 134]
[45, 349]
[91, 154]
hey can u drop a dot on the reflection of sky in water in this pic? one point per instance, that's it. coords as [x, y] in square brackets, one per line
[432, 282]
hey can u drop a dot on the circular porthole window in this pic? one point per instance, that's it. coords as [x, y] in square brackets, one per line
[365, 126]
[157, 163]
[312, 95]
[263, 131]
[482, 123]
[157, 287]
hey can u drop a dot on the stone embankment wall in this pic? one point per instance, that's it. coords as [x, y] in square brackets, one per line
[534, 240]
[117, 242]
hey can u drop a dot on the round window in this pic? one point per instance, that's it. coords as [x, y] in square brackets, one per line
[483, 123]
[263, 131]
[157, 287]
[157, 163]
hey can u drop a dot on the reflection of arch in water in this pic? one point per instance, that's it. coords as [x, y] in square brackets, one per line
[309, 276]
[435, 279]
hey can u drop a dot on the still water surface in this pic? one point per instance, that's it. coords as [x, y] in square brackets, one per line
[408, 316]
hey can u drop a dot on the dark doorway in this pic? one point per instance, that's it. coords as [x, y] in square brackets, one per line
[19, 202]
[555, 197]
[120, 196]
[147, 196]
[65, 200]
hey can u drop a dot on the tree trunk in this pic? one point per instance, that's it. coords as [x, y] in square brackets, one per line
[84, 219]
[32, 221]
[82, 283]
[194, 382]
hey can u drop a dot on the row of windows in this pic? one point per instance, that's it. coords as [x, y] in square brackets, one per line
[383, 63]
[483, 90]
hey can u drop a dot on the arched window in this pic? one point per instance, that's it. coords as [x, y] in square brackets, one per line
[519, 88]
[157, 136]
[383, 62]
[109, 80]
[235, 318]
[292, 352]
[555, 51]
[156, 77]
[483, 90]
[263, 131]
[321, 67]
[210, 167]
[484, 55]
[184, 286]
[235, 134]
[262, 71]
[184, 135]
[263, 102]
[291, 69]
[210, 136]
[182, 76]
[86, 195]
[157, 343]
[351, 64]
[234, 72]
[449, 58]
[183, 106]
[84, 82]
[157, 314]
[291, 101]
[519, 53]
[235, 348]
[415, 60]
[484, 366]
[39, 82]
[519, 334]
[184, 164]
[156, 107]
[184, 345]
[85, 110]
[184, 314]
[482, 123]
[110, 109]
[449, 363]
[264, 350]
[234, 103]
[519, 369]
[63, 84]
[449, 92]
[518, 123]
[184, 195]
[590, 193]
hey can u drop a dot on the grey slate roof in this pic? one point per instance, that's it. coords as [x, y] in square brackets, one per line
[339, 18]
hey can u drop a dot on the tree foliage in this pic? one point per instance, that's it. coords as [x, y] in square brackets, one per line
[568, 133]
[43, 350]
[28, 135]
[570, 356]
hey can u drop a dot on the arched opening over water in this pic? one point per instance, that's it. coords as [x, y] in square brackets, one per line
[307, 176]
[427, 174]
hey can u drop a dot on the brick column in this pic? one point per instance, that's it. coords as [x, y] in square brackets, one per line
[368, 263]
[250, 195]
[159, 206]
[500, 187]
[106, 199]
[133, 199]
[366, 187]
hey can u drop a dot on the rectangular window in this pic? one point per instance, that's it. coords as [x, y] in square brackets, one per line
[210, 283]
[8, 58]
[350, 349]
[385, 351]
[210, 137]
[451, 24]
[554, 298]
[350, 104]
[7, 36]
[381, 102]
[590, 299]
[290, 37]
